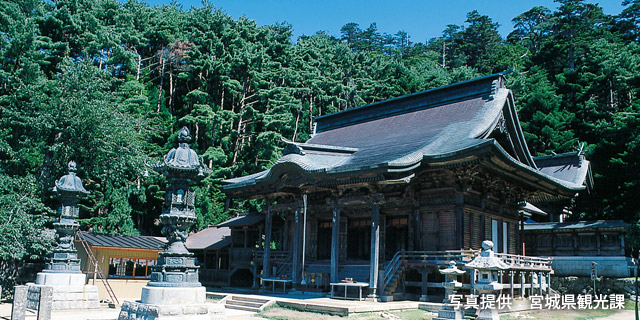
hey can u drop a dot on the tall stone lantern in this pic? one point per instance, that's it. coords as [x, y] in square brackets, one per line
[487, 267]
[174, 291]
[176, 265]
[450, 285]
[62, 269]
[68, 190]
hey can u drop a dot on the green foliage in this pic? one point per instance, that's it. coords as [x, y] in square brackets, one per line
[108, 83]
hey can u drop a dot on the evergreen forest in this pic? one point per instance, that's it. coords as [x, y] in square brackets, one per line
[109, 83]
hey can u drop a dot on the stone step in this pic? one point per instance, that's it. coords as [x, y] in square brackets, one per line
[244, 303]
[244, 308]
[249, 299]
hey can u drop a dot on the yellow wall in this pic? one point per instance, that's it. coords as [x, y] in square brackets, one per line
[102, 255]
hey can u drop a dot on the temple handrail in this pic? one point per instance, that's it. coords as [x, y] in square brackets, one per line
[392, 268]
[460, 256]
[525, 262]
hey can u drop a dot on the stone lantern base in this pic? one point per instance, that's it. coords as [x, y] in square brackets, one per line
[172, 303]
[140, 311]
[69, 291]
[449, 312]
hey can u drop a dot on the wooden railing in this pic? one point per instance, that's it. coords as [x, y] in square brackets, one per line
[515, 262]
[525, 262]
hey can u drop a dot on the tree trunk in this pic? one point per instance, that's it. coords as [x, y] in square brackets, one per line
[295, 130]
[222, 99]
[171, 91]
[311, 114]
[444, 54]
[100, 63]
[161, 83]
[139, 66]
[195, 136]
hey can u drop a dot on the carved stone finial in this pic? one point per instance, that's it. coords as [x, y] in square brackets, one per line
[184, 136]
[72, 166]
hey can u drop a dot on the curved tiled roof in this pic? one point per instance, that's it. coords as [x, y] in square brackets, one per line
[398, 135]
[122, 241]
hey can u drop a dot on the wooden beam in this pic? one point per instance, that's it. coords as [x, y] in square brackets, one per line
[375, 249]
[296, 249]
[335, 242]
[267, 244]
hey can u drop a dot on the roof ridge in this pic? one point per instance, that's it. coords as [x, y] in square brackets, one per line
[363, 108]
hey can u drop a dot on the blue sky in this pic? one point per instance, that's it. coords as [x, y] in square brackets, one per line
[421, 19]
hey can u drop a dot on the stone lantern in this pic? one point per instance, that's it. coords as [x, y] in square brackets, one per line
[68, 190]
[176, 265]
[451, 285]
[62, 269]
[174, 291]
[487, 267]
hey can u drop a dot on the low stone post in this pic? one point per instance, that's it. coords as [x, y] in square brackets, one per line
[46, 303]
[451, 285]
[18, 308]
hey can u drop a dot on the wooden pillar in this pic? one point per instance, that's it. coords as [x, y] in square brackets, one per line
[375, 249]
[548, 283]
[459, 216]
[286, 240]
[418, 228]
[266, 258]
[472, 279]
[522, 245]
[335, 242]
[540, 283]
[425, 279]
[245, 237]
[511, 283]
[522, 292]
[296, 249]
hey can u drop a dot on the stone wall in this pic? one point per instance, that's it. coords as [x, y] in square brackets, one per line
[584, 285]
[616, 267]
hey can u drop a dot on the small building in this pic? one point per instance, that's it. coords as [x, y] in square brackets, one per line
[211, 248]
[120, 256]
[575, 245]
[246, 245]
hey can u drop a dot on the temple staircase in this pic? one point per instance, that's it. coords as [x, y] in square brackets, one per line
[392, 275]
[395, 269]
[247, 303]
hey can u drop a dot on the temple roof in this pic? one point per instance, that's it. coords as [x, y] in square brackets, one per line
[572, 167]
[242, 220]
[442, 127]
[209, 238]
[122, 241]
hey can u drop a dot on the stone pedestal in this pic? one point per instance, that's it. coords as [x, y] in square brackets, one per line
[177, 295]
[172, 303]
[449, 312]
[69, 290]
[488, 314]
[140, 311]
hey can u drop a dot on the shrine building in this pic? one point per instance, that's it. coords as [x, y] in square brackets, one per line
[418, 176]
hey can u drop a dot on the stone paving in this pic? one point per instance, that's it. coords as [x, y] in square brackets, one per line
[300, 301]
